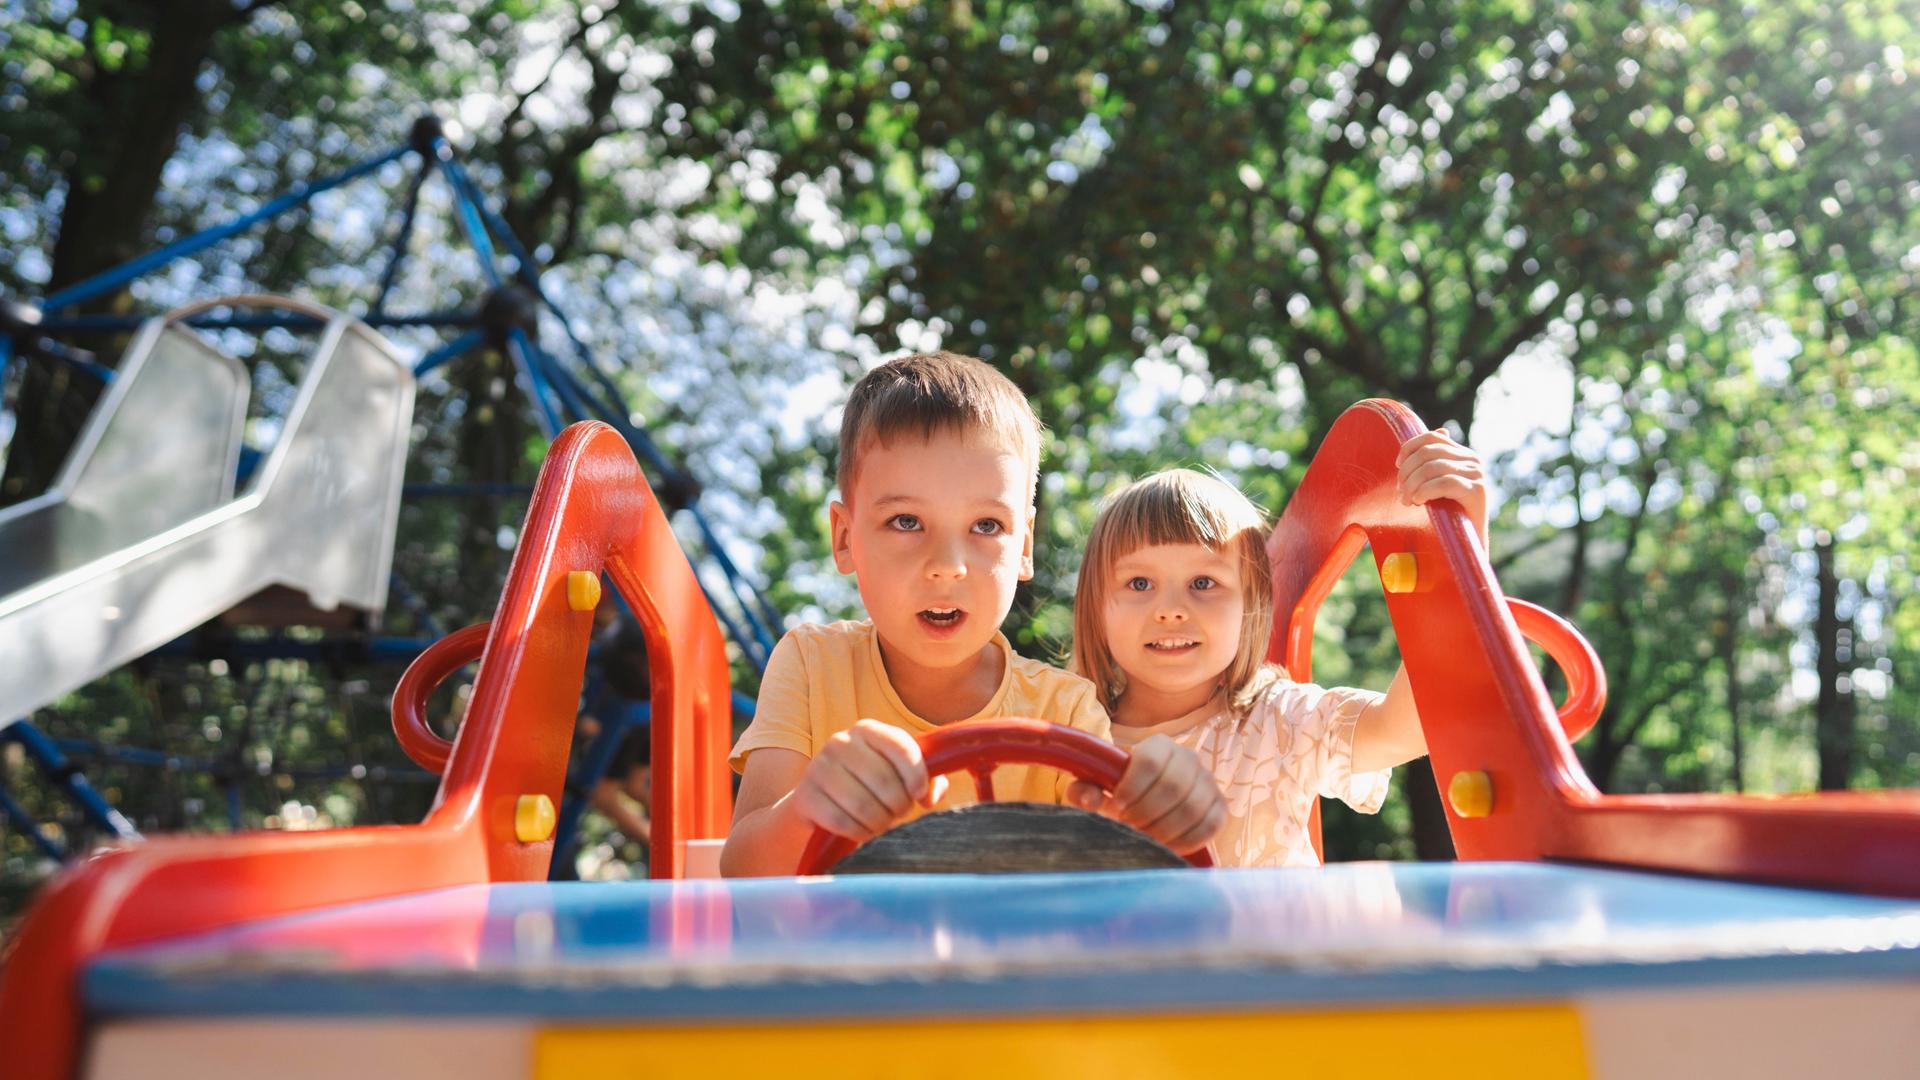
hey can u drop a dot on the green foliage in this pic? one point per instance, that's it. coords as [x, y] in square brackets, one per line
[1193, 233]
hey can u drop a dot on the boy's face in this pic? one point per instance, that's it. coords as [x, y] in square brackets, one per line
[939, 532]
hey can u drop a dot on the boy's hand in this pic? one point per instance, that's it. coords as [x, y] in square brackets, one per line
[1433, 466]
[1165, 793]
[864, 780]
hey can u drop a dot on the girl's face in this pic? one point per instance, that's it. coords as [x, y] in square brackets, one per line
[1172, 619]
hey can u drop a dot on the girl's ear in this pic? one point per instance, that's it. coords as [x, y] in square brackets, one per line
[1026, 550]
[840, 523]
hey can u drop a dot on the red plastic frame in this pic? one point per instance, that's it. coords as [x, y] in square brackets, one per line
[1485, 708]
[592, 510]
[416, 686]
[1586, 678]
[979, 746]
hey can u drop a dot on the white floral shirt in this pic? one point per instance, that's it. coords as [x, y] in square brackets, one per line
[1294, 744]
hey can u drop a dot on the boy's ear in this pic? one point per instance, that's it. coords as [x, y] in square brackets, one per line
[840, 524]
[1026, 550]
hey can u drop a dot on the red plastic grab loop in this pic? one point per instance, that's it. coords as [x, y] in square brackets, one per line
[982, 744]
[428, 670]
[1586, 679]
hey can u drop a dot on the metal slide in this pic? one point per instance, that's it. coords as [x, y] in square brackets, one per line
[142, 538]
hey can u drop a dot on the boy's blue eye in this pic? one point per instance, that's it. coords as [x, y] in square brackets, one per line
[1139, 584]
[988, 527]
[903, 523]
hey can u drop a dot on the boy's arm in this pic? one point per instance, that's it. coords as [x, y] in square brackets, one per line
[864, 780]
[767, 834]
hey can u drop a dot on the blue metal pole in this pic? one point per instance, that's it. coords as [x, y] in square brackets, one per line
[134, 755]
[466, 202]
[751, 599]
[405, 234]
[763, 625]
[93, 324]
[107, 281]
[78, 360]
[63, 772]
[525, 357]
[452, 350]
[465, 491]
[17, 815]
[759, 645]
[476, 215]
[529, 273]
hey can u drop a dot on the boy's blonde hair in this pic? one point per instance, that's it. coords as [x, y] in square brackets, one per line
[928, 392]
[1175, 506]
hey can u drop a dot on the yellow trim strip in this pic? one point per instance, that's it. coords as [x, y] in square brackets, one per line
[1535, 1042]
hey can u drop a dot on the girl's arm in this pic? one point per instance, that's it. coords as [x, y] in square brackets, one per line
[1388, 733]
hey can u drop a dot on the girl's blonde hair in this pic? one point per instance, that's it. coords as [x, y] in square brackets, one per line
[1175, 506]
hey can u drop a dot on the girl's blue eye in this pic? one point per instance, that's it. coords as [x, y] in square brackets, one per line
[1139, 584]
[988, 527]
[1205, 582]
[903, 523]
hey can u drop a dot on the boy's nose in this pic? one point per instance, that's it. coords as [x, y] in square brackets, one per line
[947, 566]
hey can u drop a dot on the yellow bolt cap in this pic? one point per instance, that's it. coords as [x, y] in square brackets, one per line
[1399, 572]
[583, 590]
[1471, 793]
[533, 819]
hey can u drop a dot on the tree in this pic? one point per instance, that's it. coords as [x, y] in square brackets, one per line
[1348, 199]
[1204, 229]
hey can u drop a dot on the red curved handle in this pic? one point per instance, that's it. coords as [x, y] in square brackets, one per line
[1586, 678]
[428, 670]
[977, 747]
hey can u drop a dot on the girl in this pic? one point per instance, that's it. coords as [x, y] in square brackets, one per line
[1171, 617]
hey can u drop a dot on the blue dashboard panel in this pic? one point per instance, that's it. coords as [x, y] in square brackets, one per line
[1367, 933]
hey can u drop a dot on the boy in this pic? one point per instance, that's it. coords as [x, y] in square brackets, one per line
[939, 463]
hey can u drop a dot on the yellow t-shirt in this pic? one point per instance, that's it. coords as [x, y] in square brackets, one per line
[822, 679]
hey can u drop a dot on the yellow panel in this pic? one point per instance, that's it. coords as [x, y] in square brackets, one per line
[1532, 1042]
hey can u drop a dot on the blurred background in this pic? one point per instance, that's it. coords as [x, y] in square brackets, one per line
[1656, 261]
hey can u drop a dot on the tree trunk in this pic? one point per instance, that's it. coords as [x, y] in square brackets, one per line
[135, 118]
[1833, 652]
[1732, 587]
[1432, 840]
[1575, 587]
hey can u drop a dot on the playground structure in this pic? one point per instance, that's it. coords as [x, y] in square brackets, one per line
[142, 539]
[1549, 951]
[150, 531]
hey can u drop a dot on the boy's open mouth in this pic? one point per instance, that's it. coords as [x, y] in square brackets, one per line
[942, 618]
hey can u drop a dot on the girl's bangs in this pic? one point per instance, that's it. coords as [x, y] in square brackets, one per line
[1177, 508]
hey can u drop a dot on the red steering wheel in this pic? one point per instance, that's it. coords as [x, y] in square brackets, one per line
[979, 746]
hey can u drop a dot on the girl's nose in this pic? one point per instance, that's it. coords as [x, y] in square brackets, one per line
[1171, 615]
